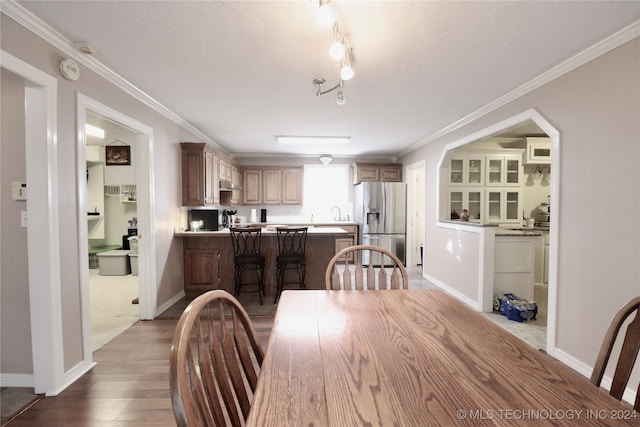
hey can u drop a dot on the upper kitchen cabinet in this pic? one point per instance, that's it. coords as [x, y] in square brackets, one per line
[466, 169]
[504, 170]
[376, 172]
[272, 186]
[198, 174]
[538, 151]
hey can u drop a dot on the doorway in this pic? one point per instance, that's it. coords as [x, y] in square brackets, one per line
[121, 131]
[415, 213]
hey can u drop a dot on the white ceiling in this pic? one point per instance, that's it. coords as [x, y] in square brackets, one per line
[241, 71]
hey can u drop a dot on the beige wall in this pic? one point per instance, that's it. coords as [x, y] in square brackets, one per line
[15, 325]
[167, 135]
[596, 109]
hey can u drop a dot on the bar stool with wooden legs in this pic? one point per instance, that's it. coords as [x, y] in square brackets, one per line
[291, 258]
[248, 262]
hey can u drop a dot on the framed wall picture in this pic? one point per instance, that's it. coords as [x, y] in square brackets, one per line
[118, 155]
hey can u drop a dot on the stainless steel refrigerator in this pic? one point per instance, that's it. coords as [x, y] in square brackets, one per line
[380, 210]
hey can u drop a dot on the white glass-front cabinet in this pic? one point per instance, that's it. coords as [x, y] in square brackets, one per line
[503, 205]
[466, 170]
[504, 171]
[466, 198]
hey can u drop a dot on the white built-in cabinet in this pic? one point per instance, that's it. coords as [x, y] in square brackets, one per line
[95, 191]
[487, 184]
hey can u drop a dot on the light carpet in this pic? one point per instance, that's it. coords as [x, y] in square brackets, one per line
[111, 309]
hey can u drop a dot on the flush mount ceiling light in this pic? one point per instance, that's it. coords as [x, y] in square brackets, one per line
[326, 159]
[339, 50]
[321, 140]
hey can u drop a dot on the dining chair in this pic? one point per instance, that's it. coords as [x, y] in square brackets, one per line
[214, 362]
[292, 243]
[628, 352]
[248, 269]
[365, 267]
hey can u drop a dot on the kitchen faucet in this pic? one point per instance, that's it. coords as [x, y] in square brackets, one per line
[339, 213]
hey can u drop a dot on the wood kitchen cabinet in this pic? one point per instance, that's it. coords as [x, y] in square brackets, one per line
[376, 172]
[198, 180]
[272, 186]
[236, 179]
[201, 269]
[292, 183]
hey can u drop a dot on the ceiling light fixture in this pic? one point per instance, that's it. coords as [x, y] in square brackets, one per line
[325, 14]
[321, 140]
[325, 159]
[339, 51]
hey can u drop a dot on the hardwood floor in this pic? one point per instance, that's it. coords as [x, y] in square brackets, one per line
[129, 386]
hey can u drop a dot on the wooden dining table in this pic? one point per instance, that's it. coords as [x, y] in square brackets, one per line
[413, 358]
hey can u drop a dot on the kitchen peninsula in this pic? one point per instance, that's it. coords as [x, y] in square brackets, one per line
[208, 256]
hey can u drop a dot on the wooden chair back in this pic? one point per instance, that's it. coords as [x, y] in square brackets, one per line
[628, 352]
[214, 362]
[365, 267]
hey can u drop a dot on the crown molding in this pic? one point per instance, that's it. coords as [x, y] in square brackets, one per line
[613, 41]
[37, 26]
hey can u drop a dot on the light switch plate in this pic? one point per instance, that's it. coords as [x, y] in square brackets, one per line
[19, 190]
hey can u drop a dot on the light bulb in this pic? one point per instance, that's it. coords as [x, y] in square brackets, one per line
[336, 51]
[340, 100]
[325, 16]
[346, 72]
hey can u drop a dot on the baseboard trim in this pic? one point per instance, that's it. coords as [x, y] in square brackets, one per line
[17, 380]
[167, 305]
[448, 289]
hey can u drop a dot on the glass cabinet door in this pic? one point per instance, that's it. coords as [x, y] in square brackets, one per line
[455, 204]
[494, 205]
[512, 209]
[455, 171]
[474, 203]
[494, 171]
[512, 171]
[474, 171]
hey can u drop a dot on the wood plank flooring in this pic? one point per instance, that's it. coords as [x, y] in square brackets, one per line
[128, 387]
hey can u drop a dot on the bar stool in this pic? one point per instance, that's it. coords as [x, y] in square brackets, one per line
[249, 264]
[291, 257]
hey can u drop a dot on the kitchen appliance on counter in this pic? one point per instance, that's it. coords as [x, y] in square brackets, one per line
[207, 219]
[380, 211]
[543, 219]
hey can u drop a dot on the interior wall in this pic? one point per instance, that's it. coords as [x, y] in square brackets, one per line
[32, 49]
[15, 324]
[596, 109]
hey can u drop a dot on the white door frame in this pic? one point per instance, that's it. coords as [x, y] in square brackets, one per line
[43, 233]
[146, 242]
[412, 169]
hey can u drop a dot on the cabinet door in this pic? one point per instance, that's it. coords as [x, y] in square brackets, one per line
[456, 171]
[512, 174]
[473, 170]
[292, 186]
[193, 176]
[209, 177]
[456, 203]
[391, 173]
[495, 171]
[368, 173]
[494, 206]
[503, 205]
[474, 204]
[251, 187]
[236, 179]
[201, 269]
[271, 187]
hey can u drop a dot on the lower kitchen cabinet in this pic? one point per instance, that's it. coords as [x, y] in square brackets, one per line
[514, 266]
[201, 269]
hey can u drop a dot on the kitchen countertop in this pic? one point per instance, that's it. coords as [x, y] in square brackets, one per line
[265, 231]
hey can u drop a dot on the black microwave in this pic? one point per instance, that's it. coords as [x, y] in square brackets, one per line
[209, 218]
